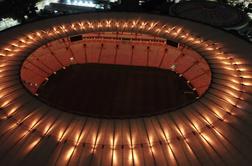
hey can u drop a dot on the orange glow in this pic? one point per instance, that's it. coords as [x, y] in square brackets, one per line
[22, 40]
[130, 157]
[73, 26]
[143, 24]
[134, 23]
[23, 134]
[162, 134]
[179, 30]
[60, 135]
[12, 111]
[114, 160]
[152, 25]
[117, 24]
[191, 38]
[108, 23]
[235, 81]
[247, 83]
[128, 138]
[229, 68]
[7, 49]
[167, 135]
[34, 122]
[2, 94]
[232, 93]
[151, 144]
[208, 119]
[33, 144]
[151, 140]
[55, 30]
[46, 129]
[99, 25]
[82, 27]
[115, 141]
[226, 63]
[157, 30]
[38, 34]
[16, 50]
[230, 100]
[3, 117]
[69, 153]
[197, 41]
[183, 36]
[133, 158]
[182, 131]
[244, 75]
[237, 62]
[209, 48]
[168, 30]
[235, 87]
[195, 126]
[112, 142]
[90, 25]
[95, 143]
[5, 103]
[30, 37]
[229, 96]
[125, 25]
[218, 133]
[207, 138]
[243, 69]
[63, 28]
[14, 44]
[189, 148]
[12, 126]
[170, 154]
[76, 139]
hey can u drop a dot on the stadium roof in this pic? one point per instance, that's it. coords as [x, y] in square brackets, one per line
[213, 130]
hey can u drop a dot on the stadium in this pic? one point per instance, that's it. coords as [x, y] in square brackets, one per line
[112, 88]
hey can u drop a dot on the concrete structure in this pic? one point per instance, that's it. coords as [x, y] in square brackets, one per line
[213, 130]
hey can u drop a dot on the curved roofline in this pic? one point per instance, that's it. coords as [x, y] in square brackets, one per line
[228, 61]
[200, 29]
